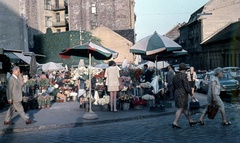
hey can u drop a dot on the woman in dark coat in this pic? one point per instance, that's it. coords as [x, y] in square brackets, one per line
[181, 90]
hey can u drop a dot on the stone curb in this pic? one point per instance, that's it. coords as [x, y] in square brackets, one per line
[92, 122]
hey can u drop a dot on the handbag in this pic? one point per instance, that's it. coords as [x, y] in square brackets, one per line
[212, 110]
[194, 104]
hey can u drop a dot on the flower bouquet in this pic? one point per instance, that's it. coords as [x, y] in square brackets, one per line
[145, 85]
[44, 82]
[149, 98]
[100, 81]
[83, 72]
[31, 82]
[138, 102]
[135, 74]
[73, 95]
[104, 102]
[125, 98]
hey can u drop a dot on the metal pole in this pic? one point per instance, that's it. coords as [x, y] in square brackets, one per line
[90, 83]
[80, 36]
[90, 115]
[156, 65]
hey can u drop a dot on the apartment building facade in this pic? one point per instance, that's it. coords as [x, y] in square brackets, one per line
[89, 14]
[31, 17]
[204, 24]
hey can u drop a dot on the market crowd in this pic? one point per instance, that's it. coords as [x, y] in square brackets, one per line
[72, 85]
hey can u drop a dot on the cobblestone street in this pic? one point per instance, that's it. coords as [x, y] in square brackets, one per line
[157, 129]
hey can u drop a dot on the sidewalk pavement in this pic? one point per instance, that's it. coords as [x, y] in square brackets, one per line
[68, 114]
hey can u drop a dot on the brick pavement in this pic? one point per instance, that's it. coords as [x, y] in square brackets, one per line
[68, 114]
[154, 130]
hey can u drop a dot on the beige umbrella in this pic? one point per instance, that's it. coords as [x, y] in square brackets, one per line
[51, 66]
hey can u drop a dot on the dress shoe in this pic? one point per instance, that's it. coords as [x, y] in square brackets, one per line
[192, 123]
[226, 123]
[175, 126]
[8, 123]
[201, 122]
[30, 122]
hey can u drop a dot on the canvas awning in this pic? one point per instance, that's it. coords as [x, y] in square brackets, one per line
[26, 59]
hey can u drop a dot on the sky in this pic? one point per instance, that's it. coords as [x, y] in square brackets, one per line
[162, 15]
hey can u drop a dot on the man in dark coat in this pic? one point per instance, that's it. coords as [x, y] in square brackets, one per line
[146, 75]
[169, 79]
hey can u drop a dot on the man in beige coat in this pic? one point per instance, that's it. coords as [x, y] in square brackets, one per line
[14, 96]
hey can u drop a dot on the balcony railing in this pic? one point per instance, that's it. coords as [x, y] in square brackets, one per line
[56, 8]
[59, 24]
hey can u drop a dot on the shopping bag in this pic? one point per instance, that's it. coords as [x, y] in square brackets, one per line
[194, 104]
[155, 84]
[212, 110]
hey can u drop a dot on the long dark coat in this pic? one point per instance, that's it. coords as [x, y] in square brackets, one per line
[181, 90]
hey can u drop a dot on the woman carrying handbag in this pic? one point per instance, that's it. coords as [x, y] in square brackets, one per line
[214, 98]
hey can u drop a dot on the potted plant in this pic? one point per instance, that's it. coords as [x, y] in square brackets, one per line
[44, 83]
[125, 100]
[104, 102]
[149, 98]
[30, 85]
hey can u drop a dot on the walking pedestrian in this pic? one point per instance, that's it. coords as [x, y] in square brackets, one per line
[214, 96]
[169, 79]
[192, 76]
[112, 81]
[14, 96]
[181, 90]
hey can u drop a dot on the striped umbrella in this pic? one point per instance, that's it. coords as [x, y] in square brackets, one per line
[90, 50]
[164, 56]
[97, 51]
[155, 45]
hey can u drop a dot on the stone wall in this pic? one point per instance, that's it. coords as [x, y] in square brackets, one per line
[116, 14]
[11, 25]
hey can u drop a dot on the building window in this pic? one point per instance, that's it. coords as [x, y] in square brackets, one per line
[48, 21]
[93, 25]
[57, 3]
[58, 17]
[58, 30]
[47, 4]
[93, 8]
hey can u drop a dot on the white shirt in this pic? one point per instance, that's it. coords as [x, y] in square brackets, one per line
[14, 76]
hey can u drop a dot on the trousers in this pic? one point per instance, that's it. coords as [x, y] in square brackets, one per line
[16, 106]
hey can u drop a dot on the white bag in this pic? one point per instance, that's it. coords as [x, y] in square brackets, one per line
[96, 97]
[155, 84]
[81, 92]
